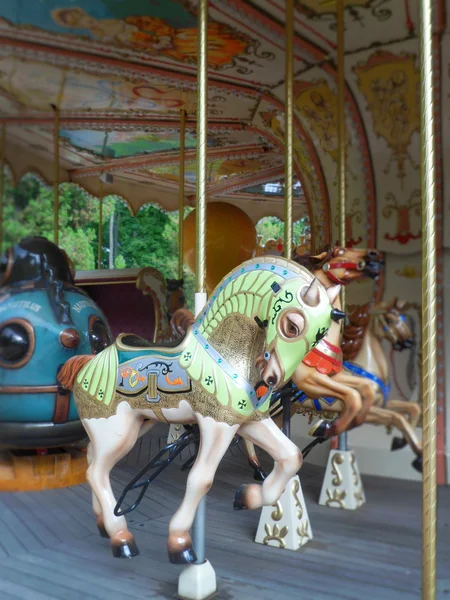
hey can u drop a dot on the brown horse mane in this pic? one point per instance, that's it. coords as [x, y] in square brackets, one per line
[355, 330]
[312, 263]
[67, 374]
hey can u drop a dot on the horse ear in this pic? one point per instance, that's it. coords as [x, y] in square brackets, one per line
[311, 296]
[320, 256]
[333, 293]
[401, 305]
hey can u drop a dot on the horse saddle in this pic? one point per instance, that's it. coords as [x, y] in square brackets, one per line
[151, 373]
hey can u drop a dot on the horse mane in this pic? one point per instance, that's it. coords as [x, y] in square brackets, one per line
[69, 371]
[313, 263]
[355, 330]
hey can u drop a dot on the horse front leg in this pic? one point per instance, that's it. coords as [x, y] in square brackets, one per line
[253, 461]
[366, 389]
[214, 440]
[317, 385]
[287, 457]
[111, 440]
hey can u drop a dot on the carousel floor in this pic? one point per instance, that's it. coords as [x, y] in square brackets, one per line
[49, 547]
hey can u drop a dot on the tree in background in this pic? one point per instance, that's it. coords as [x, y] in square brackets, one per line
[149, 238]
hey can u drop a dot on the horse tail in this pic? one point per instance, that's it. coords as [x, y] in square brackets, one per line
[67, 374]
[181, 320]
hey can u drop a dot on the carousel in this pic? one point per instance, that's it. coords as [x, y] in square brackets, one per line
[222, 311]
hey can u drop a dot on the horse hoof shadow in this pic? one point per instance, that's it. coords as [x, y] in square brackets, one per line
[239, 498]
[183, 557]
[418, 464]
[259, 475]
[398, 443]
[125, 550]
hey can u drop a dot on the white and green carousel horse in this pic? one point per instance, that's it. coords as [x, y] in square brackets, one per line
[261, 321]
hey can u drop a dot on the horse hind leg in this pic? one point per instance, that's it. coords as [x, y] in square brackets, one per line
[111, 440]
[96, 507]
[215, 439]
[382, 416]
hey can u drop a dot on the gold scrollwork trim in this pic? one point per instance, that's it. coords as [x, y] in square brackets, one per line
[336, 497]
[298, 504]
[354, 471]
[276, 535]
[277, 514]
[337, 459]
[303, 534]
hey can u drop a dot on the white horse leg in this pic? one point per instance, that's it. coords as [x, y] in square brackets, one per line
[288, 460]
[97, 509]
[214, 440]
[111, 439]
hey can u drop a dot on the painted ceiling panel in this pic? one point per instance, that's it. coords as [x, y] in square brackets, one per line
[121, 72]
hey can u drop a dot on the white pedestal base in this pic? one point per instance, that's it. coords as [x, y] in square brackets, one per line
[342, 486]
[286, 523]
[197, 582]
[174, 432]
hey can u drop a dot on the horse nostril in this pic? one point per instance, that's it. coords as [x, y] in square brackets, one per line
[272, 380]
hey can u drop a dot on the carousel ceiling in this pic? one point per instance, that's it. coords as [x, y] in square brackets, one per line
[121, 72]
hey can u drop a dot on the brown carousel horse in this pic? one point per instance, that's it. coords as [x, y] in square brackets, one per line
[167, 295]
[364, 357]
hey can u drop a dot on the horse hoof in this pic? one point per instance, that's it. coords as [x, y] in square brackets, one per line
[321, 429]
[418, 464]
[239, 498]
[398, 443]
[102, 530]
[125, 549]
[259, 475]
[183, 557]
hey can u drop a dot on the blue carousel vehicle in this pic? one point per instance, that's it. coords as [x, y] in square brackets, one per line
[44, 320]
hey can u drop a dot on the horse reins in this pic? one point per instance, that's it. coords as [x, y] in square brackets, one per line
[328, 267]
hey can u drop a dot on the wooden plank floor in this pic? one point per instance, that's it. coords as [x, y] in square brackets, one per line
[49, 547]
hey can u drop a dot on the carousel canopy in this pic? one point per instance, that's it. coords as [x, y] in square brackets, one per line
[121, 72]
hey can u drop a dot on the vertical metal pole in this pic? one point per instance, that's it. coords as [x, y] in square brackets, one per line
[200, 254]
[100, 228]
[56, 175]
[288, 162]
[2, 179]
[342, 184]
[181, 199]
[428, 304]
[341, 128]
[289, 128]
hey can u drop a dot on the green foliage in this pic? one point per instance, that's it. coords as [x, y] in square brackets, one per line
[273, 228]
[148, 239]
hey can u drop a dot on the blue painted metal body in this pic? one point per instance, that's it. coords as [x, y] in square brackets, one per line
[44, 320]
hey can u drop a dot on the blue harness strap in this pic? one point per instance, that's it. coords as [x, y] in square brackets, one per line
[384, 387]
[301, 397]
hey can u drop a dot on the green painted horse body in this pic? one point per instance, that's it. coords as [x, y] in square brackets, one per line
[261, 321]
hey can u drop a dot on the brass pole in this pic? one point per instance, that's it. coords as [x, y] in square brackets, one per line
[428, 305]
[2, 179]
[341, 129]
[202, 124]
[289, 128]
[199, 535]
[56, 176]
[56, 166]
[181, 199]
[100, 228]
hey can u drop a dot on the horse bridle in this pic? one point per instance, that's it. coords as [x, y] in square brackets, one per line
[329, 266]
